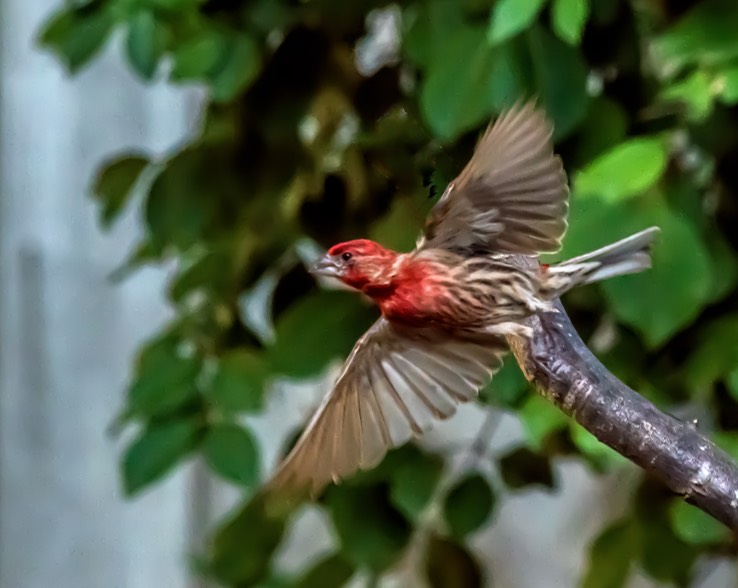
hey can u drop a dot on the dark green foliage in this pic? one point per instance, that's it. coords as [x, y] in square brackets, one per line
[468, 505]
[297, 145]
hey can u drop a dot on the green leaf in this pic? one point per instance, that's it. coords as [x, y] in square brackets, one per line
[732, 382]
[430, 23]
[234, 73]
[632, 167]
[611, 556]
[605, 126]
[560, 78]
[232, 452]
[156, 451]
[540, 418]
[414, 481]
[468, 505]
[696, 92]
[602, 456]
[727, 85]
[114, 184]
[179, 205]
[398, 229]
[76, 35]
[319, 327]
[371, 531]
[510, 17]
[199, 56]
[165, 378]
[331, 572]
[728, 441]
[705, 35]
[470, 81]
[568, 18]
[678, 252]
[146, 43]
[522, 467]
[716, 355]
[450, 565]
[664, 556]
[239, 382]
[509, 388]
[695, 526]
[639, 300]
[242, 550]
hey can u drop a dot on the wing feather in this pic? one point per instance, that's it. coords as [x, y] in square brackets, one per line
[397, 382]
[512, 197]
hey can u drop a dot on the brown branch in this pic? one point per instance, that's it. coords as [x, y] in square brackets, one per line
[565, 371]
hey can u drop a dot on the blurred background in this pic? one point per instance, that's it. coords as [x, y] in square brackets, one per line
[166, 169]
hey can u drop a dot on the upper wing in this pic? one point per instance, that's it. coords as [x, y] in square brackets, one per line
[395, 383]
[511, 197]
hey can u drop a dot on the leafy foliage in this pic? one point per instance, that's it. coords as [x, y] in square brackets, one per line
[314, 130]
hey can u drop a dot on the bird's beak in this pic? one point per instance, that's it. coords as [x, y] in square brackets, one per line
[325, 266]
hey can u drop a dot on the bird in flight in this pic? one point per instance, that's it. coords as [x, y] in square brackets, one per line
[447, 306]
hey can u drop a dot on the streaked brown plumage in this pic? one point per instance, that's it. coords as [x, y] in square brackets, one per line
[447, 306]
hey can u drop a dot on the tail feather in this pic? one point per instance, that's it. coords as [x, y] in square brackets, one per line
[627, 256]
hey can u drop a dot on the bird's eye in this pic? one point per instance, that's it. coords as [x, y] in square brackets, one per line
[346, 256]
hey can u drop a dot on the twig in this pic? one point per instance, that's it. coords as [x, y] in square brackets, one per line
[566, 372]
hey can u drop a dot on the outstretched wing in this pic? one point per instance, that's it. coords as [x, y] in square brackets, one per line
[395, 384]
[512, 197]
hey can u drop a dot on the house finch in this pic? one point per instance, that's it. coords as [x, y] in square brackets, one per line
[447, 306]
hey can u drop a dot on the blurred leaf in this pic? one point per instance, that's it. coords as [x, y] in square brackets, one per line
[232, 452]
[330, 572]
[429, 24]
[450, 565]
[114, 184]
[638, 300]
[156, 451]
[242, 549]
[605, 126]
[705, 35]
[414, 481]
[461, 90]
[626, 170]
[510, 17]
[239, 382]
[165, 378]
[468, 505]
[235, 72]
[611, 556]
[568, 18]
[665, 557]
[399, 228]
[696, 92]
[695, 526]
[197, 57]
[540, 418]
[509, 388]
[716, 355]
[560, 80]
[522, 467]
[75, 35]
[727, 85]
[146, 43]
[732, 382]
[178, 207]
[728, 441]
[601, 455]
[372, 533]
[319, 327]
